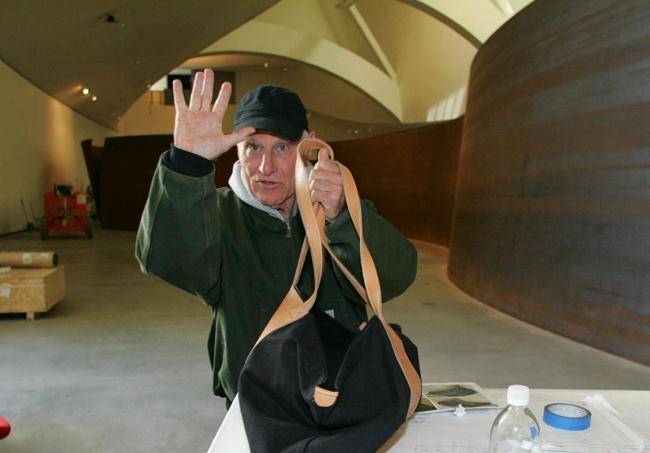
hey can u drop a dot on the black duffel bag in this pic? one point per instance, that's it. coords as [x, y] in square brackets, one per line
[311, 385]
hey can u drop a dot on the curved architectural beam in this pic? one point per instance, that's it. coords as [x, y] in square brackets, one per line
[272, 39]
[474, 21]
[370, 37]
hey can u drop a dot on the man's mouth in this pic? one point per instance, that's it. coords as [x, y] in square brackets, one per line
[267, 183]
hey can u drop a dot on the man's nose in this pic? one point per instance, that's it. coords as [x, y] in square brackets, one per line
[267, 166]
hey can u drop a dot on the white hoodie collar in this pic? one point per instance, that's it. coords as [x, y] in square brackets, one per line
[239, 185]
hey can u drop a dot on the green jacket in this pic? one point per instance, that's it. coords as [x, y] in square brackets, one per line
[241, 261]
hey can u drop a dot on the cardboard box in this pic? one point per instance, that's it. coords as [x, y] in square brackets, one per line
[31, 291]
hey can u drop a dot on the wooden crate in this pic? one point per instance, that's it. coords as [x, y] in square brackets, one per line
[31, 291]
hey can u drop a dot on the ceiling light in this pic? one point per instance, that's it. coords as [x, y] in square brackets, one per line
[266, 64]
[285, 69]
[94, 98]
[85, 91]
[111, 19]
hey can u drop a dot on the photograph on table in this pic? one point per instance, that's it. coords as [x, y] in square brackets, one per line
[449, 395]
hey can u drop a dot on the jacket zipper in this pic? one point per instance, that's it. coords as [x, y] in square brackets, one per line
[289, 232]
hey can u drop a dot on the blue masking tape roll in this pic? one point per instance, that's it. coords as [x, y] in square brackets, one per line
[567, 416]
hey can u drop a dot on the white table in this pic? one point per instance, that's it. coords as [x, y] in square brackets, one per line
[434, 433]
[470, 434]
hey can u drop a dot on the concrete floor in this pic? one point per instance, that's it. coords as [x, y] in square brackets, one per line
[120, 365]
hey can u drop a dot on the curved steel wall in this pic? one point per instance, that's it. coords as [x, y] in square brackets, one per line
[552, 213]
[410, 176]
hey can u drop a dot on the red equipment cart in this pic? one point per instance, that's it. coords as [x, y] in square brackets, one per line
[66, 212]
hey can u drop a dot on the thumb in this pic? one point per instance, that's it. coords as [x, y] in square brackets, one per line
[323, 155]
[238, 136]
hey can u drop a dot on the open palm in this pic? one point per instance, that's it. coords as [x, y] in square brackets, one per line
[198, 129]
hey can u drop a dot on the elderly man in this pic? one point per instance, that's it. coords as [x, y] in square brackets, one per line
[237, 248]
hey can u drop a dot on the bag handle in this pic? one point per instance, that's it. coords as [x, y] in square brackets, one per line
[292, 307]
[372, 290]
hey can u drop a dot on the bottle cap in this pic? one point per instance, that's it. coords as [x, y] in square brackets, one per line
[518, 395]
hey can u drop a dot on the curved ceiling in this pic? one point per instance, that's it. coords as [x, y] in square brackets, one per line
[117, 48]
[339, 99]
[63, 46]
[273, 39]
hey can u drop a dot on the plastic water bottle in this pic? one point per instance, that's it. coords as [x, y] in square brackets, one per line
[515, 430]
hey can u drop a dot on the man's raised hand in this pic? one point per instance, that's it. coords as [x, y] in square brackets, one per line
[197, 128]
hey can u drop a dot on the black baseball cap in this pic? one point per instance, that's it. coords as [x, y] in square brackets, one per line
[272, 109]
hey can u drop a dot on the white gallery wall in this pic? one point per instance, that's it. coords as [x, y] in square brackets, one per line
[40, 146]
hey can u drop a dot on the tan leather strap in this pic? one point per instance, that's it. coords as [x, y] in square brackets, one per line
[349, 275]
[303, 149]
[324, 397]
[293, 308]
[372, 292]
[373, 288]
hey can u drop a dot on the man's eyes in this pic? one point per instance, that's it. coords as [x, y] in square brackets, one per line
[279, 148]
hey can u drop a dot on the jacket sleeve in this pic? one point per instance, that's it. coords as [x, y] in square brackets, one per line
[395, 257]
[179, 236]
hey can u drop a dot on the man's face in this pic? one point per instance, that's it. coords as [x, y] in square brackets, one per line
[269, 164]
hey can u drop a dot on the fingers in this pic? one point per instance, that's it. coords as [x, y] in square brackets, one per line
[317, 186]
[326, 185]
[197, 89]
[319, 174]
[324, 180]
[179, 97]
[201, 96]
[206, 92]
[332, 200]
[221, 104]
[239, 136]
[324, 156]
[327, 169]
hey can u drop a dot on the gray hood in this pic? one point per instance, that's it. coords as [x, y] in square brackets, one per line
[239, 185]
